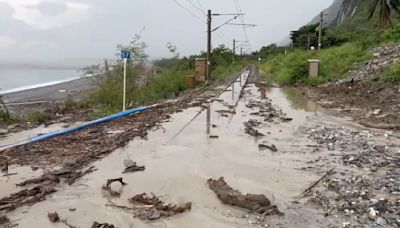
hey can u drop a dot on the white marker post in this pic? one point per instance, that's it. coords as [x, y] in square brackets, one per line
[125, 55]
[124, 95]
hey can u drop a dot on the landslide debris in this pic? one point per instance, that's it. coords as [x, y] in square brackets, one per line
[254, 203]
[363, 92]
[367, 192]
[152, 208]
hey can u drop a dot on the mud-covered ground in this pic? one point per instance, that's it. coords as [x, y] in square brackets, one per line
[243, 155]
[373, 104]
[363, 94]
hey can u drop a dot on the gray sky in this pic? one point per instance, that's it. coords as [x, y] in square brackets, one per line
[85, 31]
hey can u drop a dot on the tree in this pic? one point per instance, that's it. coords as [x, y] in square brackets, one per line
[137, 49]
[385, 8]
[304, 36]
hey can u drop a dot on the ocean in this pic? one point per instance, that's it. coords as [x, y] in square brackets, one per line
[12, 80]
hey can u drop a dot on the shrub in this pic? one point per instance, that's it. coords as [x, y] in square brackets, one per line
[335, 62]
[37, 117]
[392, 73]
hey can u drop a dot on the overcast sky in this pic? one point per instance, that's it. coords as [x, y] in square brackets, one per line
[89, 30]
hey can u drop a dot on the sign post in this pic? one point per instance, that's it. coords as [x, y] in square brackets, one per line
[125, 55]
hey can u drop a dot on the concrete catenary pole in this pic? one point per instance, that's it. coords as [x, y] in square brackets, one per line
[208, 64]
[321, 24]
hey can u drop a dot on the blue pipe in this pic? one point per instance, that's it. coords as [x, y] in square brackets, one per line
[58, 133]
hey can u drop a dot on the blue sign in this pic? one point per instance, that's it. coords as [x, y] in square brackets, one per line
[125, 54]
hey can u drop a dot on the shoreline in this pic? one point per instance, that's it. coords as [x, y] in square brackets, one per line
[36, 86]
[41, 98]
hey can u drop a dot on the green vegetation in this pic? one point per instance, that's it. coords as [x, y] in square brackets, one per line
[5, 116]
[165, 79]
[343, 45]
[37, 117]
[292, 68]
[392, 73]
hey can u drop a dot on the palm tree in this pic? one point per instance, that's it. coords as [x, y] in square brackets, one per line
[385, 8]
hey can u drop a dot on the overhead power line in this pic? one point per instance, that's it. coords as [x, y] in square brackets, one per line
[197, 8]
[189, 11]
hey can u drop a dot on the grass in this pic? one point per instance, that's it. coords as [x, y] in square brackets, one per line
[223, 71]
[334, 63]
[392, 73]
[37, 117]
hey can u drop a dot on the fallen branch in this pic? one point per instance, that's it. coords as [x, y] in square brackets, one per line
[25, 197]
[308, 190]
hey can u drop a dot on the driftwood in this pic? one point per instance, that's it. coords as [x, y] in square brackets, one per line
[265, 145]
[254, 203]
[309, 189]
[70, 176]
[25, 197]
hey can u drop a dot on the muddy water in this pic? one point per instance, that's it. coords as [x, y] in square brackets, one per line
[180, 157]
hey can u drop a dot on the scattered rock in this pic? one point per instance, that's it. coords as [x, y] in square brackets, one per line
[53, 217]
[377, 111]
[102, 225]
[3, 131]
[131, 167]
[114, 189]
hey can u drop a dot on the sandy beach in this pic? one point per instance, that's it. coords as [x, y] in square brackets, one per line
[39, 98]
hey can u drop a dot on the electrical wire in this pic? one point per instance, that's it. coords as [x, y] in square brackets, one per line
[197, 8]
[239, 10]
[189, 11]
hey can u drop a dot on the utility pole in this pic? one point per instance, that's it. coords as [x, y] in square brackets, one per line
[321, 24]
[208, 67]
[234, 50]
[241, 51]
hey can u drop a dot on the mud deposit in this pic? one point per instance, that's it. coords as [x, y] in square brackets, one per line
[304, 168]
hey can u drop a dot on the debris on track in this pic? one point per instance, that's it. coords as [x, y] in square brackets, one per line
[25, 197]
[254, 203]
[266, 145]
[110, 189]
[131, 167]
[70, 175]
[250, 128]
[4, 220]
[102, 225]
[152, 208]
[53, 217]
[367, 192]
